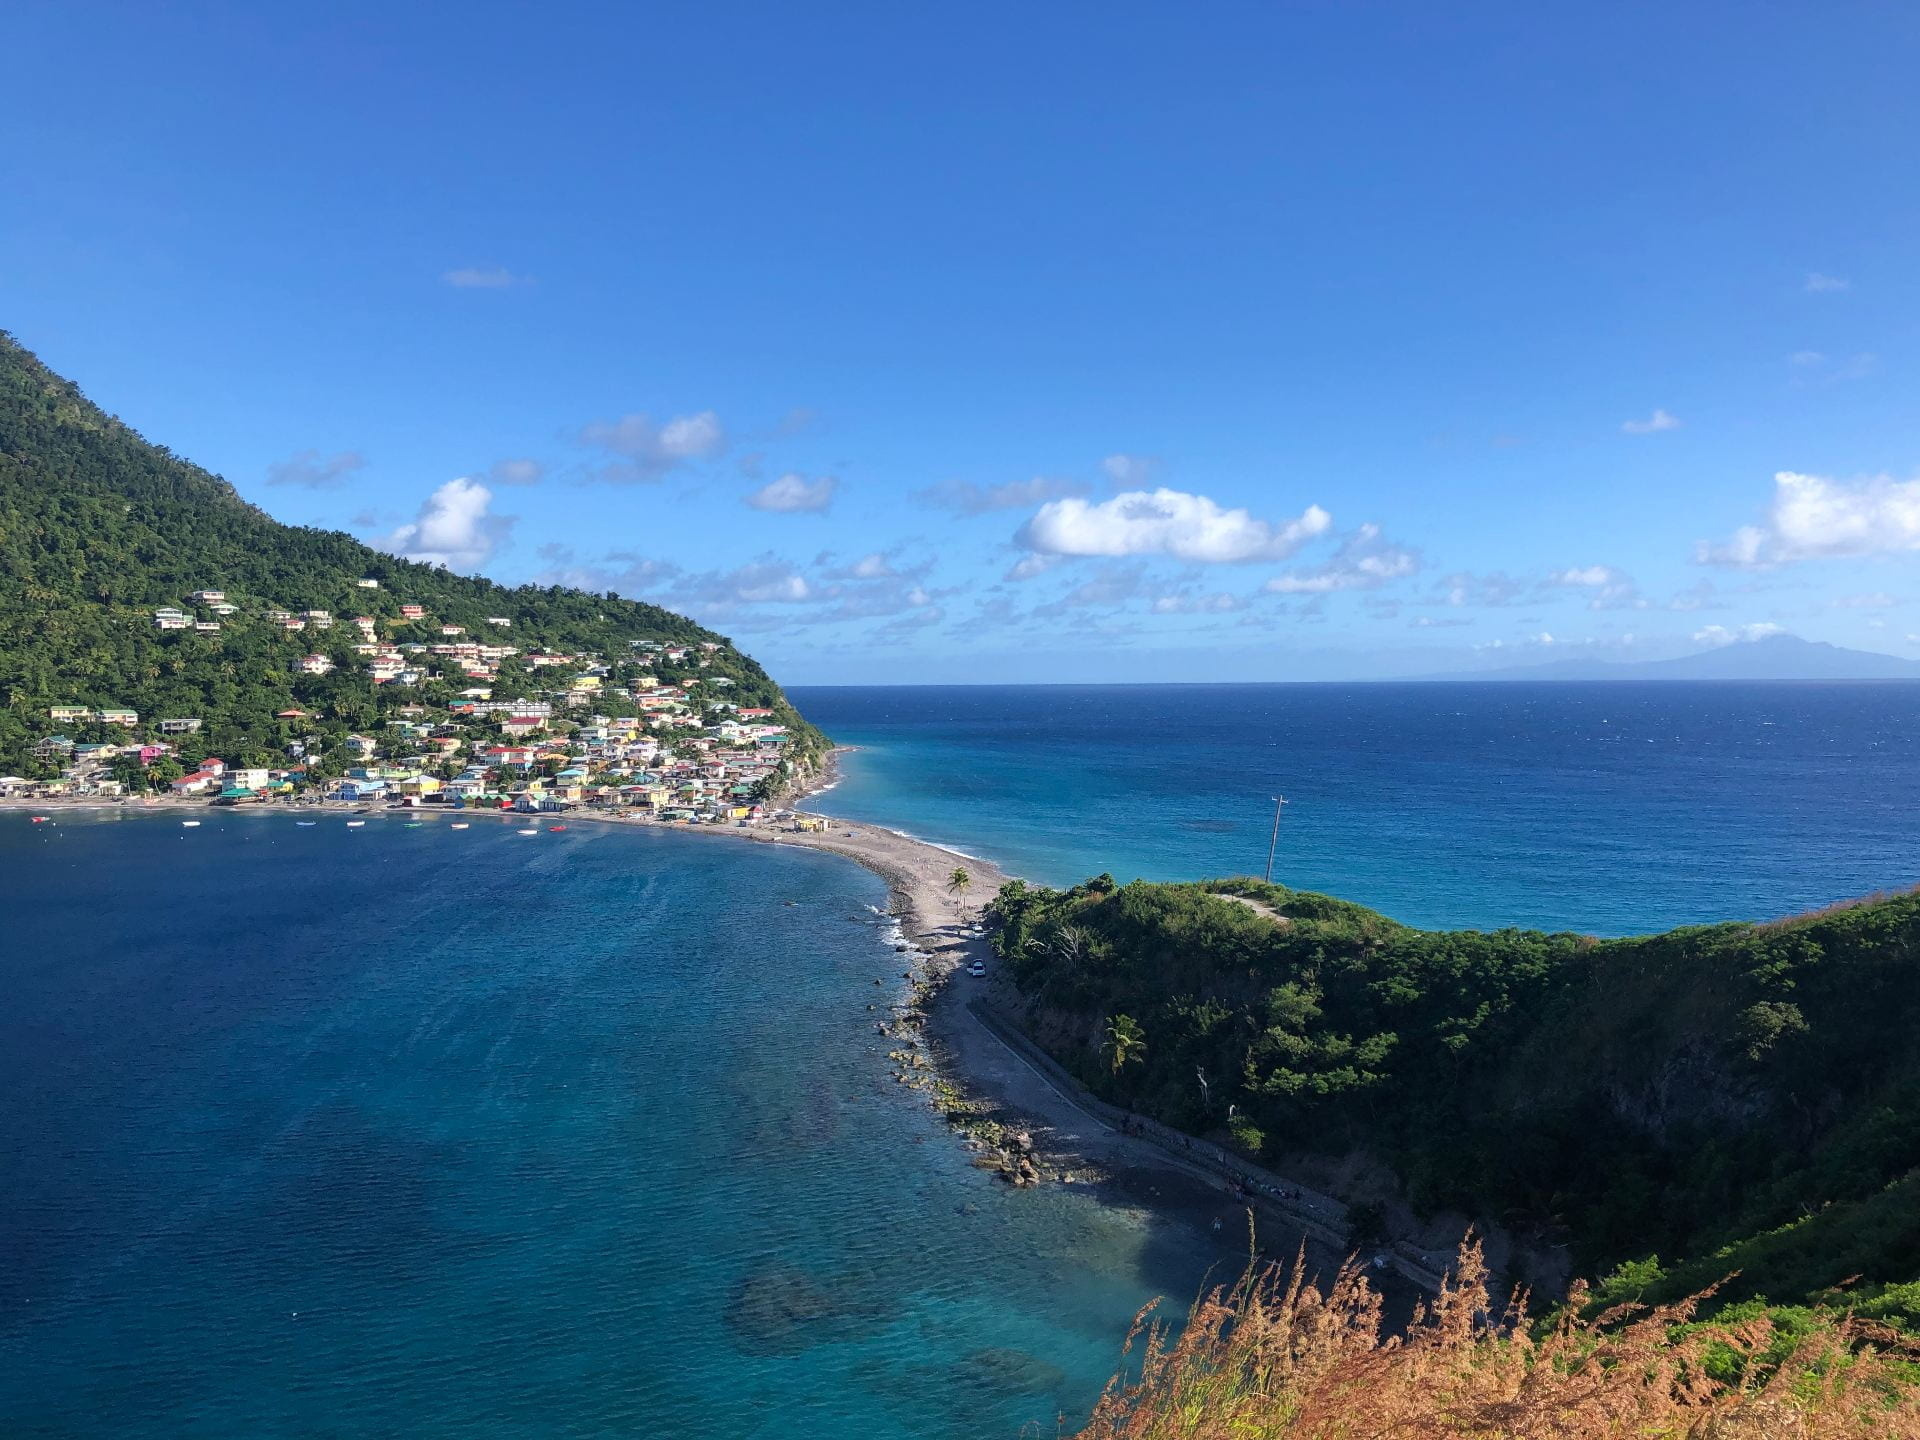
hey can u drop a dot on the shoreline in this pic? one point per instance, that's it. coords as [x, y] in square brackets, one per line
[1027, 1125]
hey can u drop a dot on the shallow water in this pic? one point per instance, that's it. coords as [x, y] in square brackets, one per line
[430, 1132]
[1606, 808]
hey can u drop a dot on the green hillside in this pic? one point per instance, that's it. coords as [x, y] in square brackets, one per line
[1727, 1097]
[99, 528]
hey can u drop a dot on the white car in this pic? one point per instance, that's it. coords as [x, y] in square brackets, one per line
[977, 969]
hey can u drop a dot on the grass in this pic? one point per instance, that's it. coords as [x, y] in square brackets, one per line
[1277, 1357]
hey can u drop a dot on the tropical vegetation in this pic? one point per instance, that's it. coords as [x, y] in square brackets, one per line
[1735, 1100]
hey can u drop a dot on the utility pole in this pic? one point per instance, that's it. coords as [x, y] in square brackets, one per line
[1274, 843]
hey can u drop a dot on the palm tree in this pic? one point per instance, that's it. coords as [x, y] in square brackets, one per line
[1125, 1041]
[958, 883]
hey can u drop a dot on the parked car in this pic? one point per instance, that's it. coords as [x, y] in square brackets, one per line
[977, 969]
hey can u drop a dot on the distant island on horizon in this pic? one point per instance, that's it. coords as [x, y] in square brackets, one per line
[1772, 657]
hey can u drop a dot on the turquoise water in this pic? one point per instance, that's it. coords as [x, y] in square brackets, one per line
[430, 1132]
[1606, 808]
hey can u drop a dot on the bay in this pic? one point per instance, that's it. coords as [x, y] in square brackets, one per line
[418, 1131]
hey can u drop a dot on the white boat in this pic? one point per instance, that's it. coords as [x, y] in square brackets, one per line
[189, 824]
[460, 824]
[526, 832]
[355, 824]
[306, 822]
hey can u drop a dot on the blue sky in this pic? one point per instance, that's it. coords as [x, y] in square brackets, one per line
[1023, 343]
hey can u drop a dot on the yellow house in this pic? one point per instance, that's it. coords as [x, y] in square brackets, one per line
[809, 824]
[419, 785]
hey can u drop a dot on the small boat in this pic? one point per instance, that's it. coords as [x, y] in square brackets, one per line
[304, 823]
[460, 824]
[355, 824]
[527, 832]
[556, 827]
[43, 819]
[415, 824]
[189, 824]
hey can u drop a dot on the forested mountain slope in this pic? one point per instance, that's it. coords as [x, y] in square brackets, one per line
[99, 528]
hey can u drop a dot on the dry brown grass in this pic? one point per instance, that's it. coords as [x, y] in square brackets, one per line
[1276, 1357]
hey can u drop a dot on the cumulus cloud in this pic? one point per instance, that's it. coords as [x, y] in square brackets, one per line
[644, 451]
[453, 528]
[1819, 284]
[1813, 517]
[483, 277]
[1365, 561]
[515, 472]
[1166, 522]
[794, 494]
[307, 470]
[1655, 423]
[963, 497]
[1722, 635]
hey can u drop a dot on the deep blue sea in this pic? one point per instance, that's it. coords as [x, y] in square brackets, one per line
[424, 1132]
[1605, 808]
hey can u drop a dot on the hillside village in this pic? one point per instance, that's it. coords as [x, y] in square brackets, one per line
[462, 719]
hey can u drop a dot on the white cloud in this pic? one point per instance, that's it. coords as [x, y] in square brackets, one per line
[1652, 425]
[1722, 635]
[1028, 566]
[647, 451]
[1611, 589]
[1364, 561]
[1219, 603]
[483, 277]
[963, 497]
[871, 567]
[307, 470]
[1806, 358]
[1166, 522]
[794, 494]
[1130, 471]
[453, 528]
[1588, 575]
[1813, 517]
[1818, 284]
[516, 472]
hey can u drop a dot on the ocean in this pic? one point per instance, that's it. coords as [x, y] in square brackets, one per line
[1609, 809]
[394, 1130]
[415, 1131]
